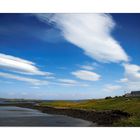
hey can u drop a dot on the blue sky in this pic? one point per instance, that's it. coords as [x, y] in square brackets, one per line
[69, 56]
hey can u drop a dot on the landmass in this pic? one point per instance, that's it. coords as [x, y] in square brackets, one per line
[110, 111]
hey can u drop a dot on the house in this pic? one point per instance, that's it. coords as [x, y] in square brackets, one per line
[133, 94]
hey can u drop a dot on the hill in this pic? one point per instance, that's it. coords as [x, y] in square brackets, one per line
[127, 104]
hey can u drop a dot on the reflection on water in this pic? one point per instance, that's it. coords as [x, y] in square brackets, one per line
[12, 111]
[17, 116]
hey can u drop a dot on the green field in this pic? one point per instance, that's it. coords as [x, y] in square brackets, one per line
[130, 105]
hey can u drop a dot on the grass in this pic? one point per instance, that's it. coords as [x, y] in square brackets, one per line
[130, 105]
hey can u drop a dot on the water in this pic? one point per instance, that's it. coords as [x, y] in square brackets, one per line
[17, 116]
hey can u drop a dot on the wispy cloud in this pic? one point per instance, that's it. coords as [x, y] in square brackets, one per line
[89, 66]
[132, 72]
[36, 87]
[23, 79]
[68, 81]
[86, 75]
[122, 80]
[111, 88]
[131, 78]
[19, 65]
[91, 33]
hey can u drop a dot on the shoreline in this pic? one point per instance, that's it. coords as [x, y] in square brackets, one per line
[101, 118]
[13, 116]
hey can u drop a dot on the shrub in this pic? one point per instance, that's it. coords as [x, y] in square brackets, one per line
[109, 97]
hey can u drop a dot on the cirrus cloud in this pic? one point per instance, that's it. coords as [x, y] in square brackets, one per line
[86, 75]
[87, 67]
[19, 65]
[112, 88]
[68, 81]
[23, 79]
[91, 33]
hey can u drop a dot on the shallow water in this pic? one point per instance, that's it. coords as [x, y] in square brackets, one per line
[17, 116]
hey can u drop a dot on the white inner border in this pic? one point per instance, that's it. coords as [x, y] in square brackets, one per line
[72, 133]
[70, 6]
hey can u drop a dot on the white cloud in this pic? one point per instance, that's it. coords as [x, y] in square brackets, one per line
[65, 84]
[50, 77]
[36, 87]
[87, 67]
[131, 78]
[19, 65]
[71, 85]
[132, 72]
[112, 88]
[23, 79]
[86, 75]
[123, 80]
[67, 81]
[91, 33]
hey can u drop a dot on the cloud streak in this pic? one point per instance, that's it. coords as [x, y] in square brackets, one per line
[68, 81]
[87, 67]
[91, 33]
[111, 88]
[23, 79]
[86, 75]
[19, 65]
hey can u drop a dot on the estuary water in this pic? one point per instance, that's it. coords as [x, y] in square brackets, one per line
[17, 116]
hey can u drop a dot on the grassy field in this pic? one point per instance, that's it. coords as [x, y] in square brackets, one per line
[130, 105]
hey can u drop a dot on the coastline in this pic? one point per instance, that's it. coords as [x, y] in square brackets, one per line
[13, 116]
[101, 118]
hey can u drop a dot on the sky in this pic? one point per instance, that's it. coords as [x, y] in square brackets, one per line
[69, 56]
